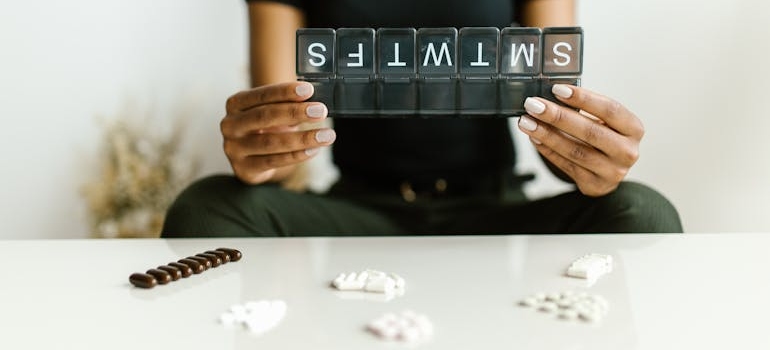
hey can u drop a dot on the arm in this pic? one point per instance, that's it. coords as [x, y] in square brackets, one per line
[272, 28]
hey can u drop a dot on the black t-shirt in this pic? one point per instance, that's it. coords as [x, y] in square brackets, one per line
[414, 148]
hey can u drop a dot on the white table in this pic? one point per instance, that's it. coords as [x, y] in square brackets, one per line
[689, 291]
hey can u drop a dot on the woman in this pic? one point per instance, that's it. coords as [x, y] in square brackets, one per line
[413, 175]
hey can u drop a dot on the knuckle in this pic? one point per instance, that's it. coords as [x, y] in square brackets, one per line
[231, 103]
[614, 107]
[594, 132]
[578, 152]
[557, 116]
[225, 126]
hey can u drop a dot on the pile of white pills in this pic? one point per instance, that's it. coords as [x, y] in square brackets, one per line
[370, 281]
[408, 326]
[569, 305]
[257, 316]
[590, 266]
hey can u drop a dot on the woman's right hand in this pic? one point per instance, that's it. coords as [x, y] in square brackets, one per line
[261, 131]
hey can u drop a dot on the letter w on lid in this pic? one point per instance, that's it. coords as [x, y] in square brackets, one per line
[438, 51]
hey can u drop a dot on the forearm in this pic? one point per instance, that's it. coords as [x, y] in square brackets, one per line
[272, 48]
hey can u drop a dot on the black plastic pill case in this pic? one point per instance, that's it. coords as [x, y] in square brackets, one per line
[473, 72]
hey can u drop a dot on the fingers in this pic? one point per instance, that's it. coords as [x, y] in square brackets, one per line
[590, 131]
[580, 156]
[612, 112]
[285, 92]
[588, 182]
[256, 157]
[272, 115]
[278, 143]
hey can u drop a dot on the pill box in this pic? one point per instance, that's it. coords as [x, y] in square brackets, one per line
[428, 72]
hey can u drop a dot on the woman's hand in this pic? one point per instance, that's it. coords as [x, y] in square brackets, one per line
[595, 147]
[261, 131]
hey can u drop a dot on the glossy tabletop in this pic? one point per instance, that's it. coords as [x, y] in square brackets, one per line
[691, 291]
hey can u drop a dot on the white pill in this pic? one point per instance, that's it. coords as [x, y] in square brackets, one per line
[568, 314]
[351, 276]
[389, 332]
[363, 276]
[539, 296]
[400, 283]
[529, 302]
[548, 306]
[553, 296]
[380, 285]
[589, 316]
[227, 319]
[410, 334]
[375, 273]
[565, 303]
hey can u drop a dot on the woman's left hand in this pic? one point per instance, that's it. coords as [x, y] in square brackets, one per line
[595, 147]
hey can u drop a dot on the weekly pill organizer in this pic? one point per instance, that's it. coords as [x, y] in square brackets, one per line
[402, 72]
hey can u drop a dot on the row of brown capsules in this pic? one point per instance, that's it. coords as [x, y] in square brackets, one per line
[184, 268]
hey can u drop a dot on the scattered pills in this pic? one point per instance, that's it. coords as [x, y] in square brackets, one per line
[370, 281]
[569, 305]
[408, 327]
[256, 316]
[184, 268]
[590, 266]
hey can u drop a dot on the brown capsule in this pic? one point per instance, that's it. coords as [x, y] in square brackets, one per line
[194, 265]
[203, 261]
[142, 280]
[234, 254]
[184, 269]
[161, 276]
[172, 271]
[215, 260]
[222, 255]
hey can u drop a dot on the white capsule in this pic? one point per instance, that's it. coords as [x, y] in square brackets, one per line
[553, 296]
[539, 297]
[380, 285]
[363, 276]
[375, 273]
[351, 276]
[588, 315]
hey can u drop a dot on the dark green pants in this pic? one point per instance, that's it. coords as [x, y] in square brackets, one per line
[222, 206]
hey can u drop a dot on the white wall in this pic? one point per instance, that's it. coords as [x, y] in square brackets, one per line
[690, 69]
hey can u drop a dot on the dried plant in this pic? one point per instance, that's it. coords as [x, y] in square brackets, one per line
[140, 175]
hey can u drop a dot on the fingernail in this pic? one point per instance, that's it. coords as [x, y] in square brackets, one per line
[311, 151]
[535, 141]
[317, 110]
[304, 90]
[527, 123]
[562, 91]
[534, 106]
[325, 136]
